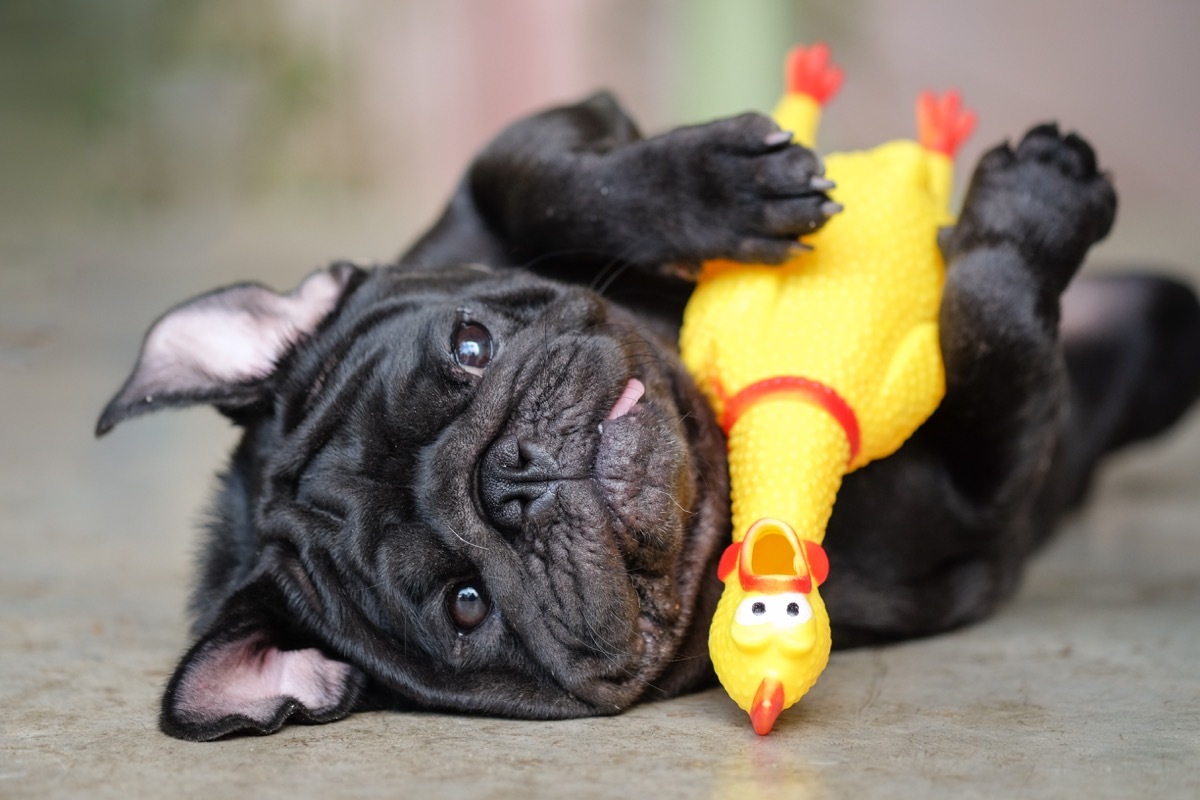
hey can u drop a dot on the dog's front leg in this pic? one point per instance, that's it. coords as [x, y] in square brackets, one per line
[518, 174]
[578, 186]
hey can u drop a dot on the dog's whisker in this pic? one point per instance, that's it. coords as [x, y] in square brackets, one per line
[459, 536]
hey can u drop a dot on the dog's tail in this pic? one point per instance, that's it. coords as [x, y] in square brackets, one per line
[1132, 348]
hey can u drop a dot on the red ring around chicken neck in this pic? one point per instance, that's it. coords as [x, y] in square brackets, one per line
[812, 391]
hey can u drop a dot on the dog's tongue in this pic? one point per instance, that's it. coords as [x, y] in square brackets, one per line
[632, 392]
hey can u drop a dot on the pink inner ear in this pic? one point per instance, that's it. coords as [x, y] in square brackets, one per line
[252, 679]
[195, 347]
[235, 335]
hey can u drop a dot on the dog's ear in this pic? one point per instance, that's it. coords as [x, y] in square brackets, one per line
[223, 346]
[255, 669]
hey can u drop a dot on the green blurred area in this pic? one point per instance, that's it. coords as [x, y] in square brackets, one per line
[127, 101]
[128, 104]
[732, 57]
[734, 51]
[112, 109]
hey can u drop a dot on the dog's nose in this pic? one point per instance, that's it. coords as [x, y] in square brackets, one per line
[516, 482]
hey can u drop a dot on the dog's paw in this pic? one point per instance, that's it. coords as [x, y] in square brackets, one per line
[1046, 196]
[745, 191]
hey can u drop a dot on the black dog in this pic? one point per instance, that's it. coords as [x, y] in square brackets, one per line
[430, 507]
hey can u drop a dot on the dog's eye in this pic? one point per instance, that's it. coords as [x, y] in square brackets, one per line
[472, 347]
[468, 606]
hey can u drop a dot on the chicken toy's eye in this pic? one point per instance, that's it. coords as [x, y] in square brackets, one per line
[472, 347]
[791, 608]
[781, 610]
[753, 611]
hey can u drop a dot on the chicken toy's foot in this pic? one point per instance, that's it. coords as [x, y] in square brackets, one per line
[809, 72]
[943, 124]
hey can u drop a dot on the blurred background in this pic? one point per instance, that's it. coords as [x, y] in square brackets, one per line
[358, 115]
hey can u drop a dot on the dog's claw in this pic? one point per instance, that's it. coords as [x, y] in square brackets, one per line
[830, 208]
[822, 184]
[777, 138]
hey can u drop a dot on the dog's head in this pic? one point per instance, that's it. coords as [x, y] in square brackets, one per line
[466, 489]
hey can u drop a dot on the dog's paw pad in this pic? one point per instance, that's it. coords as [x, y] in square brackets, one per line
[1070, 154]
[1085, 195]
[1046, 194]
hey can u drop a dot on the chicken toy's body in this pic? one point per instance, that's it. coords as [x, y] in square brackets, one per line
[816, 367]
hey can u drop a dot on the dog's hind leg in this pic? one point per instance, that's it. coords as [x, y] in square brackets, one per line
[1044, 380]
[969, 496]
[1030, 215]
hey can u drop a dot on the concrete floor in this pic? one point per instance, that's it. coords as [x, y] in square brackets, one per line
[1086, 685]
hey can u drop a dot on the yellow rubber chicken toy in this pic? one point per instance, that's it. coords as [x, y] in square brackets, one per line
[816, 367]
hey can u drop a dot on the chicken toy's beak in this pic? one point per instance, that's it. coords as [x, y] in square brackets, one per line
[768, 702]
